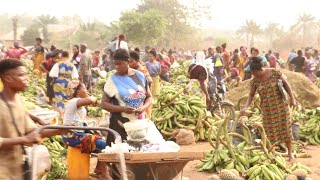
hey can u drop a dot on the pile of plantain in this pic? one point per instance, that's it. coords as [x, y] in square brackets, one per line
[310, 128]
[175, 109]
[58, 153]
[252, 159]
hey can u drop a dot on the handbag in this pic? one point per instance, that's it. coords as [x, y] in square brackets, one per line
[282, 90]
[27, 173]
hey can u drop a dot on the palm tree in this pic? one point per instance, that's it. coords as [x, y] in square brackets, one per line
[271, 31]
[88, 26]
[250, 29]
[304, 25]
[244, 31]
[43, 22]
[15, 27]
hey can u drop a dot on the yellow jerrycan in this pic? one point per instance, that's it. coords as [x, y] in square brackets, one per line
[78, 164]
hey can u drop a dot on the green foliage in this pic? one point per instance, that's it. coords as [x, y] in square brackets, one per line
[147, 28]
[250, 28]
[181, 19]
[29, 35]
[95, 34]
[43, 22]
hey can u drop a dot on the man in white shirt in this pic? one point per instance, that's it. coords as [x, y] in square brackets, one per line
[121, 43]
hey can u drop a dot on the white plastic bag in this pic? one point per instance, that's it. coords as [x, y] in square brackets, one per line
[105, 121]
[153, 134]
[41, 163]
[169, 146]
[143, 129]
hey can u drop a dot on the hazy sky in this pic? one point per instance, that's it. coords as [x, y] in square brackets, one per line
[227, 14]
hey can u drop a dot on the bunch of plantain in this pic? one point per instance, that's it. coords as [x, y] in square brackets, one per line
[94, 111]
[298, 165]
[181, 73]
[252, 162]
[58, 154]
[310, 128]
[175, 109]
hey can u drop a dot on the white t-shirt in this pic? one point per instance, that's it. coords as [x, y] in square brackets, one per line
[123, 45]
[74, 116]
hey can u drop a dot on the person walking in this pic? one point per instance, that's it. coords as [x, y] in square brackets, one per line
[275, 108]
[63, 72]
[85, 66]
[46, 67]
[299, 62]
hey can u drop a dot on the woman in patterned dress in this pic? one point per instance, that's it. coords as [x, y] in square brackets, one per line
[63, 72]
[275, 109]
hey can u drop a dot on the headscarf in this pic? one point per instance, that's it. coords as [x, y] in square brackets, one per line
[235, 70]
[200, 58]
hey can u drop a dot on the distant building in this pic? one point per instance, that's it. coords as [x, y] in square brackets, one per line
[7, 39]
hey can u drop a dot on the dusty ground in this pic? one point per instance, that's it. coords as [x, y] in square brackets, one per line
[190, 171]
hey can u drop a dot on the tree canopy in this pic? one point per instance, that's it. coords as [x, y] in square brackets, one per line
[147, 27]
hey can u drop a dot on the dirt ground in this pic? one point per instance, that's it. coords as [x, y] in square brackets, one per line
[190, 171]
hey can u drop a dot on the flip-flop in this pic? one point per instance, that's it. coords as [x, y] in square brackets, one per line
[95, 175]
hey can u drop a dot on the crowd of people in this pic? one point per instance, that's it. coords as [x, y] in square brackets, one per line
[129, 91]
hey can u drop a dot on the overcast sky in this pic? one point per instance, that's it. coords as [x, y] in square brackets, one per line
[227, 14]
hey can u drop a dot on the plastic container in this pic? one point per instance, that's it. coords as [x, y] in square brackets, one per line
[78, 164]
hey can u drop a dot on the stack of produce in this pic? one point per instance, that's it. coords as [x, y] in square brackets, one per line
[252, 162]
[310, 129]
[175, 109]
[36, 85]
[181, 73]
[58, 153]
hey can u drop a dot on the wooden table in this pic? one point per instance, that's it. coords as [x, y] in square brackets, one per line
[151, 166]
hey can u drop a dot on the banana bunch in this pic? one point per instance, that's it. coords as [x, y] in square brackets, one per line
[58, 154]
[181, 71]
[265, 172]
[310, 130]
[94, 111]
[253, 162]
[174, 109]
[298, 165]
[215, 160]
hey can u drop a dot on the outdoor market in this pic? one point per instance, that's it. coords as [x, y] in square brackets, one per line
[151, 96]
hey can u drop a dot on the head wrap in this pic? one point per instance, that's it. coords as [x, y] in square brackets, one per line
[55, 53]
[200, 58]
[235, 70]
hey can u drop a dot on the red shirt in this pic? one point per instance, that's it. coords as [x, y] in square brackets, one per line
[15, 53]
[165, 66]
[171, 57]
[95, 60]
